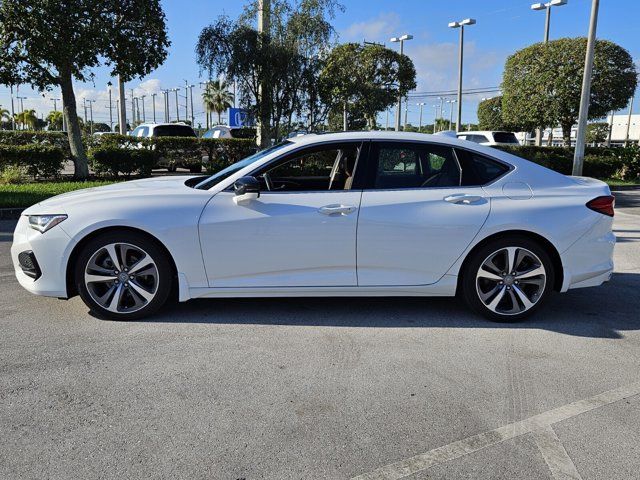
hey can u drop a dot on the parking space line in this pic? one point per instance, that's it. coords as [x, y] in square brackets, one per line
[554, 454]
[457, 449]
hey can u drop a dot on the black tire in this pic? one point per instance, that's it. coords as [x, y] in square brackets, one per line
[195, 169]
[162, 274]
[471, 289]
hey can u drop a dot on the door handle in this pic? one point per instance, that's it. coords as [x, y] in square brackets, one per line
[463, 199]
[337, 209]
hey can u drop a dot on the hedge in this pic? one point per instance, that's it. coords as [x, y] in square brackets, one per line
[112, 160]
[599, 162]
[38, 160]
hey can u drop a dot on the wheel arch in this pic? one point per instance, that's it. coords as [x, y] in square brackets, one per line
[546, 244]
[71, 263]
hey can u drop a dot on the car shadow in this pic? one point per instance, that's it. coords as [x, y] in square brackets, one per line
[602, 312]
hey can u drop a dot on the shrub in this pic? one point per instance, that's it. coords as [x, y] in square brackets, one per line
[184, 151]
[599, 162]
[112, 160]
[38, 160]
[11, 175]
[56, 139]
[222, 152]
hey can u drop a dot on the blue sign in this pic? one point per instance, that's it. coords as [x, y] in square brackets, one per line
[239, 117]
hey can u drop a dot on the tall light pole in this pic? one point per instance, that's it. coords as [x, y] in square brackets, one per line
[133, 108]
[406, 114]
[421, 105]
[55, 103]
[165, 94]
[578, 154]
[626, 137]
[192, 115]
[435, 118]
[144, 114]
[461, 24]
[451, 112]
[400, 39]
[91, 113]
[110, 108]
[547, 8]
[153, 104]
[122, 108]
[175, 90]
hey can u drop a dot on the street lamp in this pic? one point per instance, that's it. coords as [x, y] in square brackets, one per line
[451, 112]
[460, 25]
[435, 118]
[399, 109]
[421, 104]
[547, 7]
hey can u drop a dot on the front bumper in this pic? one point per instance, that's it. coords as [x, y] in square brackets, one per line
[50, 251]
[589, 261]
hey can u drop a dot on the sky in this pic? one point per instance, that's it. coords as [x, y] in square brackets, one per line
[503, 27]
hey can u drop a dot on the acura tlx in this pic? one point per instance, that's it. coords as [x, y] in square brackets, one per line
[345, 214]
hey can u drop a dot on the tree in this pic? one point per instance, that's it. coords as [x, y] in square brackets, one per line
[27, 119]
[490, 116]
[542, 83]
[287, 59]
[54, 120]
[597, 132]
[48, 43]
[368, 76]
[217, 98]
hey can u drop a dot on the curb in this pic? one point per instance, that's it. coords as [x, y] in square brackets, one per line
[10, 213]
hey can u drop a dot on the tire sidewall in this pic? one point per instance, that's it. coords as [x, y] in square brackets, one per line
[142, 241]
[469, 291]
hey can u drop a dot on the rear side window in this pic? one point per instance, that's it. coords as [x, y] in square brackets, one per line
[173, 131]
[477, 169]
[505, 137]
[398, 165]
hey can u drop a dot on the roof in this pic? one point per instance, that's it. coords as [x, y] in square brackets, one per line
[376, 135]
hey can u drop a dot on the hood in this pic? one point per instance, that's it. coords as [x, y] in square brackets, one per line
[161, 187]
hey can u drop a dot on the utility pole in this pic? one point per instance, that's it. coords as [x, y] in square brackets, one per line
[133, 109]
[153, 104]
[626, 137]
[175, 90]
[451, 113]
[406, 113]
[192, 115]
[578, 155]
[122, 109]
[264, 28]
[400, 39]
[55, 103]
[186, 101]
[165, 98]
[344, 117]
[144, 114]
[84, 104]
[460, 25]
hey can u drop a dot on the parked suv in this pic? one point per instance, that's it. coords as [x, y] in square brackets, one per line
[148, 130]
[489, 138]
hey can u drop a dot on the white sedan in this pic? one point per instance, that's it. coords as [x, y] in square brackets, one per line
[346, 214]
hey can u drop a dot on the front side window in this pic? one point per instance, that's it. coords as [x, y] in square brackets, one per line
[140, 132]
[412, 165]
[330, 167]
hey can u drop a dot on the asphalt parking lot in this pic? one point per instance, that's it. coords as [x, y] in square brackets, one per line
[325, 388]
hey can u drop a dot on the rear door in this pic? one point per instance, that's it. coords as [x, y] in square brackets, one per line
[417, 214]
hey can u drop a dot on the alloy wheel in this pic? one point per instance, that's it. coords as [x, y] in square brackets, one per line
[121, 278]
[511, 280]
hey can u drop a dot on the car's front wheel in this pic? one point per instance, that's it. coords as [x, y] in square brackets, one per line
[508, 279]
[123, 275]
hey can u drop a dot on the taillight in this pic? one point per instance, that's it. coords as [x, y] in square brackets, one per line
[603, 204]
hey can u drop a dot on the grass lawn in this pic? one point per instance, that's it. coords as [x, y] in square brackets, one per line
[614, 182]
[26, 194]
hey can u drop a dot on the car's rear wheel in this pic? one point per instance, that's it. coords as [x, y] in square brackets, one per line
[508, 279]
[123, 275]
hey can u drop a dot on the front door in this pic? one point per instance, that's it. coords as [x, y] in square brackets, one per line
[300, 232]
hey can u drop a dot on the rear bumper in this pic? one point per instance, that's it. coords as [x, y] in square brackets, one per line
[49, 251]
[589, 261]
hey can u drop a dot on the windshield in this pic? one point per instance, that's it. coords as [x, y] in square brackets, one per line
[231, 169]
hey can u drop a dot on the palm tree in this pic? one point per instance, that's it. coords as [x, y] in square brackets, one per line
[217, 98]
[4, 115]
[28, 119]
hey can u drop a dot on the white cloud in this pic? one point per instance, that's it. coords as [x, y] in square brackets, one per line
[376, 29]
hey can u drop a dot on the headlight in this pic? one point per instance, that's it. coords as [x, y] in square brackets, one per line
[42, 223]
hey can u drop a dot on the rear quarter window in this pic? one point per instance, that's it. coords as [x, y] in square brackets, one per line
[505, 137]
[477, 169]
[173, 131]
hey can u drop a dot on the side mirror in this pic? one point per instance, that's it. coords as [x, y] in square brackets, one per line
[246, 189]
